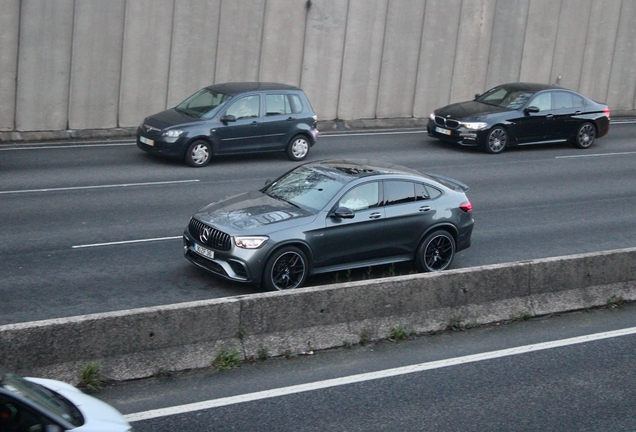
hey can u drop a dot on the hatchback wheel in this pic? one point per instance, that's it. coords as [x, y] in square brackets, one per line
[198, 154]
[585, 135]
[436, 251]
[298, 148]
[286, 269]
[497, 140]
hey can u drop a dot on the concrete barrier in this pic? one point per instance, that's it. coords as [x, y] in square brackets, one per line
[142, 342]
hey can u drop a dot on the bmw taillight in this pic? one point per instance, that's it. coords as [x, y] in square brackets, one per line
[466, 207]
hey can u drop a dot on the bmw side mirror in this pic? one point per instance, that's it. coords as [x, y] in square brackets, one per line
[228, 119]
[532, 109]
[343, 213]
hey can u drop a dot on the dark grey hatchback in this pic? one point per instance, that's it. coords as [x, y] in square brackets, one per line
[241, 117]
[329, 216]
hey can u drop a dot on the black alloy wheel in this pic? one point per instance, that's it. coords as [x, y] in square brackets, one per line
[497, 140]
[198, 154]
[286, 269]
[585, 135]
[436, 251]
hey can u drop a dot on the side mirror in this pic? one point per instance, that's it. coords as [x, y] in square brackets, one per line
[228, 119]
[532, 109]
[343, 213]
[477, 95]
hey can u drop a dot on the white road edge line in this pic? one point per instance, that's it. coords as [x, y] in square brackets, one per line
[214, 403]
[126, 242]
[63, 146]
[595, 155]
[96, 187]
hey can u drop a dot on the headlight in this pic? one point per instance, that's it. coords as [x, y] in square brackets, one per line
[432, 116]
[173, 133]
[474, 125]
[253, 242]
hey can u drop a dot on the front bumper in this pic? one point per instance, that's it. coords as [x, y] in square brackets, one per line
[460, 135]
[160, 145]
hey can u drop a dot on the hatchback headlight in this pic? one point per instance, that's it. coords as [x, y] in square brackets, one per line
[173, 133]
[474, 125]
[252, 242]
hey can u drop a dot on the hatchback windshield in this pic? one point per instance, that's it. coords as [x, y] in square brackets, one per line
[201, 103]
[41, 396]
[310, 187]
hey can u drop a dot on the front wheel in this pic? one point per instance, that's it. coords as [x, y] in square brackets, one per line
[298, 148]
[497, 140]
[436, 252]
[286, 269]
[198, 154]
[585, 135]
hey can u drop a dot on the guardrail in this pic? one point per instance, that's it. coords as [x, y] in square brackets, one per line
[142, 342]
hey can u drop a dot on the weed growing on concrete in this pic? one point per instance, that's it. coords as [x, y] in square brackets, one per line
[365, 337]
[241, 333]
[390, 272]
[521, 316]
[615, 301]
[163, 373]
[455, 323]
[349, 277]
[91, 379]
[227, 360]
[400, 333]
[336, 277]
[369, 273]
[289, 354]
[346, 344]
[263, 354]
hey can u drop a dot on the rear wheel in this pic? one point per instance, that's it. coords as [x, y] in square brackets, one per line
[497, 140]
[198, 154]
[298, 148]
[436, 252]
[286, 269]
[585, 135]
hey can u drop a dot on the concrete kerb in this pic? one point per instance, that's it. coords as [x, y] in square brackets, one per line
[142, 342]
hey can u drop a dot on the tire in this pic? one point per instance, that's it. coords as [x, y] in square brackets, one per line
[198, 154]
[286, 269]
[585, 135]
[497, 140]
[436, 252]
[298, 148]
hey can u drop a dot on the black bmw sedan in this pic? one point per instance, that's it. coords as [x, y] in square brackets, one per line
[520, 114]
[329, 216]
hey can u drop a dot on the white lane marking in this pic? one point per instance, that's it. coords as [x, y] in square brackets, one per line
[96, 187]
[214, 403]
[126, 242]
[65, 146]
[595, 155]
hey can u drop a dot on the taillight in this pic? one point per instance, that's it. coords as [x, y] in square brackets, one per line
[466, 207]
[606, 111]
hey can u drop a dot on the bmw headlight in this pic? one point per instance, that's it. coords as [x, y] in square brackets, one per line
[474, 125]
[173, 133]
[251, 242]
[432, 116]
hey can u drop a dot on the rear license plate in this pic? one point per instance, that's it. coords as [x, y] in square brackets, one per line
[203, 251]
[442, 130]
[146, 141]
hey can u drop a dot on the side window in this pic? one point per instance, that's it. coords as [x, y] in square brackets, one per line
[361, 197]
[296, 103]
[433, 192]
[398, 192]
[277, 104]
[15, 416]
[421, 193]
[247, 107]
[543, 101]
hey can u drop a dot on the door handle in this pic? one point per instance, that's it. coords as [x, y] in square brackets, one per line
[549, 116]
[425, 208]
[578, 113]
[375, 215]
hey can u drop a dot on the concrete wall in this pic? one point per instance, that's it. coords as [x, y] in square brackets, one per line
[106, 64]
[139, 343]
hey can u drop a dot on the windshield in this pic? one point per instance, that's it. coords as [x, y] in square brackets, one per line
[202, 103]
[505, 97]
[310, 187]
[42, 396]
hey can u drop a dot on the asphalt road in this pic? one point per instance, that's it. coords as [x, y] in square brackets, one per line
[91, 228]
[573, 372]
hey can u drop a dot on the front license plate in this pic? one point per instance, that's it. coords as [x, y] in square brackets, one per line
[146, 141]
[203, 251]
[442, 130]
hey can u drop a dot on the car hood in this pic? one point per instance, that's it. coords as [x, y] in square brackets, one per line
[469, 109]
[98, 415]
[168, 118]
[253, 210]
